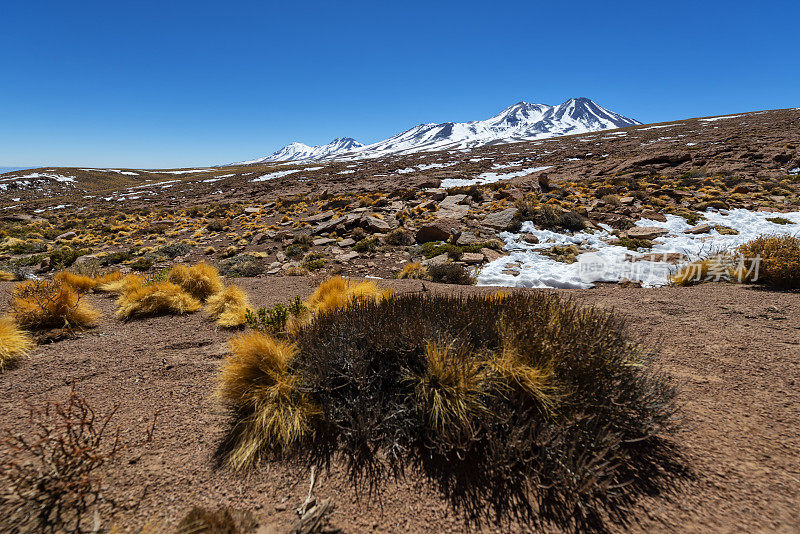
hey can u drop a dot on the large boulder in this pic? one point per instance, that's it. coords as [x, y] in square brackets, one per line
[439, 230]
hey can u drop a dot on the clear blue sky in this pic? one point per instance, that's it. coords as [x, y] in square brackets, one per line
[180, 83]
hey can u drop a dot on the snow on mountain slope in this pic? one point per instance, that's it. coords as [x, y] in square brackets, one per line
[520, 122]
[301, 151]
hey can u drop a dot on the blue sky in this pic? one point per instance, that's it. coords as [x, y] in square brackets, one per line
[179, 83]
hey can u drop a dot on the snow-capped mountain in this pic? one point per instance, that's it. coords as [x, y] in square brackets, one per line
[520, 122]
[301, 151]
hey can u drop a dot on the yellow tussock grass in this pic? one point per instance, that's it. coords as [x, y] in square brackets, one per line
[718, 268]
[414, 271]
[14, 343]
[200, 280]
[451, 388]
[156, 299]
[338, 292]
[258, 384]
[37, 305]
[228, 307]
[6, 276]
[121, 284]
[518, 368]
[79, 282]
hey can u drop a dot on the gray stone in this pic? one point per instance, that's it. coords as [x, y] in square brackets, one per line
[472, 258]
[646, 232]
[500, 219]
[319, 217]
[702, 228]
[467, 238]
[328, 226]
[441, 259]
[66, 236]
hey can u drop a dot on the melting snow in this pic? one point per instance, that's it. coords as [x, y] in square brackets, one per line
[525, 267]
[489, 177]
[273, 175]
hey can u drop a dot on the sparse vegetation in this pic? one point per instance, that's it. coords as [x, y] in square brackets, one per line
[414, 271]
[52, 479]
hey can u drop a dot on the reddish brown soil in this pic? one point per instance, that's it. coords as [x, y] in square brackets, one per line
[734, 351]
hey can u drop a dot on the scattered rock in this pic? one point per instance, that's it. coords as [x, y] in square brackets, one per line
[472, 258]
[530, 239]
[66, 236]
[500, 219]
[467, 238]
[319, 217]
[490, 254]
[646, 232]
[667, 257]
[702, 228]
[437, 231]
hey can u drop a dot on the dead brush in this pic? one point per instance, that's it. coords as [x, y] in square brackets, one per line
[272, 413]
[14, 343]
[51, 474]
[155, 299]
[228, 307]
[41, 305]
[200, 280]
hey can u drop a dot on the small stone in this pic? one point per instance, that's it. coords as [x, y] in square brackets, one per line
[472, 258]
[702, 228]
[66, 236]
[467, 238]
[646, 232]
[530, 239]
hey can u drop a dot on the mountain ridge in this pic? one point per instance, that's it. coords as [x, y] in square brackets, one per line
[522, 121]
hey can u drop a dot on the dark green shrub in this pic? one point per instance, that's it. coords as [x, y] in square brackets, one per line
[142, 264]
[238, 266]
[451, 273]
[173, 250]
[368, 244]
[522, 406]
[63, 257]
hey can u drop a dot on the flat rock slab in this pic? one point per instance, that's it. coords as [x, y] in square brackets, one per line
[646, 232]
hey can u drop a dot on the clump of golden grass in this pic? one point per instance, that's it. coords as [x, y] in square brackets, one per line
[338, 292]
[258, 385]
[228, 307]
[414, 271]
[719, 267]
[201, 280]
[37, 305]
[779, 264]
[6, 276]
[79, 282]
[450, 388]
[518, 369]
[121, 284]
[155, 299]
[14, 343]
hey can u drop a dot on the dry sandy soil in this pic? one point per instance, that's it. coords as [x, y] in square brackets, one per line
[734, 351]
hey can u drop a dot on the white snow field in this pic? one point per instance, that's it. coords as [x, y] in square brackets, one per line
[489, 177]
[525, 267]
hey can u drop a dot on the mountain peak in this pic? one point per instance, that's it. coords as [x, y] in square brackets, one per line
[518, 122]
